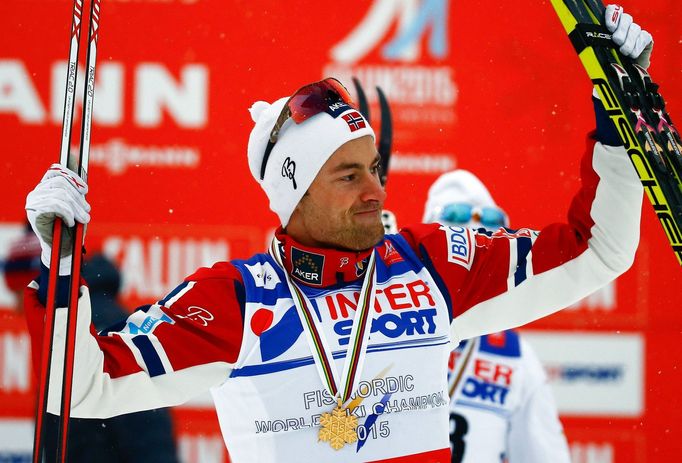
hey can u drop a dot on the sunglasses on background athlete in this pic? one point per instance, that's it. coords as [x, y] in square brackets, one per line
[307, 101]
[463, 213]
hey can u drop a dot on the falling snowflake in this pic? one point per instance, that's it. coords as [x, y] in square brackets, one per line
[338, 428]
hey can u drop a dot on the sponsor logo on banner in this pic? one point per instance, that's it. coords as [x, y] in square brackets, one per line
[151, 267]
[160, 96]
[606, 441]
[116, 156]
[402, 46]
[15, 362]
[593, 374]
[422, 163]
[592, 452]
[201, 448]
[16, 439]
[385, 49]
[9, 233]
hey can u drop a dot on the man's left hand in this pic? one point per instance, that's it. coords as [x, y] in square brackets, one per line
[634, 42]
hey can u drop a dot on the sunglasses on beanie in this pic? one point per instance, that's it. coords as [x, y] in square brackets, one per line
[307, 101]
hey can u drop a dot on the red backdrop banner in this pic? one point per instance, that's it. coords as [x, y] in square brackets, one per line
[494, 88]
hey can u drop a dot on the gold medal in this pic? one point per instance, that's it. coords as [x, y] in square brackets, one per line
[338, 427]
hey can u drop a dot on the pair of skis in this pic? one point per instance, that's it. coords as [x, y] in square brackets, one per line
[79, 165]
[637, 109]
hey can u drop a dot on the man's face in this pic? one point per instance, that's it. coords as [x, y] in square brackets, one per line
[342, 207]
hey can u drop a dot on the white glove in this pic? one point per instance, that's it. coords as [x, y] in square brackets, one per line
[629, 36]
[60, 193]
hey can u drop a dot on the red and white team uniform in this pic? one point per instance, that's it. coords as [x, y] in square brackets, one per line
[502, 409]
[233, 329]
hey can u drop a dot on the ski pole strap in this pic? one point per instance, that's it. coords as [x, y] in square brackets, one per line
[63, 283]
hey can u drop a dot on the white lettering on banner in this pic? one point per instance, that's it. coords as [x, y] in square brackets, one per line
[404, 75]
[152, 267]
[591, 452]
[8, 233]
[414, 19]
[108, 109]
[593, 374]
[16, 439]
[414, 85]
[17, 93]
[373, 28]
[16, 361]
[156, 90]
[422, 163]
[201, 449]
[116, 156]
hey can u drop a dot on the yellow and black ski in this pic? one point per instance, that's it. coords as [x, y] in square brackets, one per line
[635, 106]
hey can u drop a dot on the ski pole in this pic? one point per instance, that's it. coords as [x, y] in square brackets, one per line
[78, 235]
[48, 331]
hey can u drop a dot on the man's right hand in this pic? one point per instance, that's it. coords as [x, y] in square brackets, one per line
[60, 193]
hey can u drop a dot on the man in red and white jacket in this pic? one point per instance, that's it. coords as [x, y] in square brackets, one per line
[333, 346]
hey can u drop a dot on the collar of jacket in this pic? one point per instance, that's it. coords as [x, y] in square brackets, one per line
[321, 267]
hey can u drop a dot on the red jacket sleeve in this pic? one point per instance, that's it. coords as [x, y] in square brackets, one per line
[167, 352]
[496, 281]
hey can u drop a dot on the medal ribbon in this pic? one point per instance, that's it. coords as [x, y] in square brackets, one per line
[461, 365]
[357, 347]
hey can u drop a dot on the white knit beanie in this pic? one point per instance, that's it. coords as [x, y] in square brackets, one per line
[300, 152]
[458, 186]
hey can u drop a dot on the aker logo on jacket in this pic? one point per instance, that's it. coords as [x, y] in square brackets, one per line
[307, 266]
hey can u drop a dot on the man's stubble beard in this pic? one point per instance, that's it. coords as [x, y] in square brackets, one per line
[360, 238]
[349, 235]
[341, 231]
